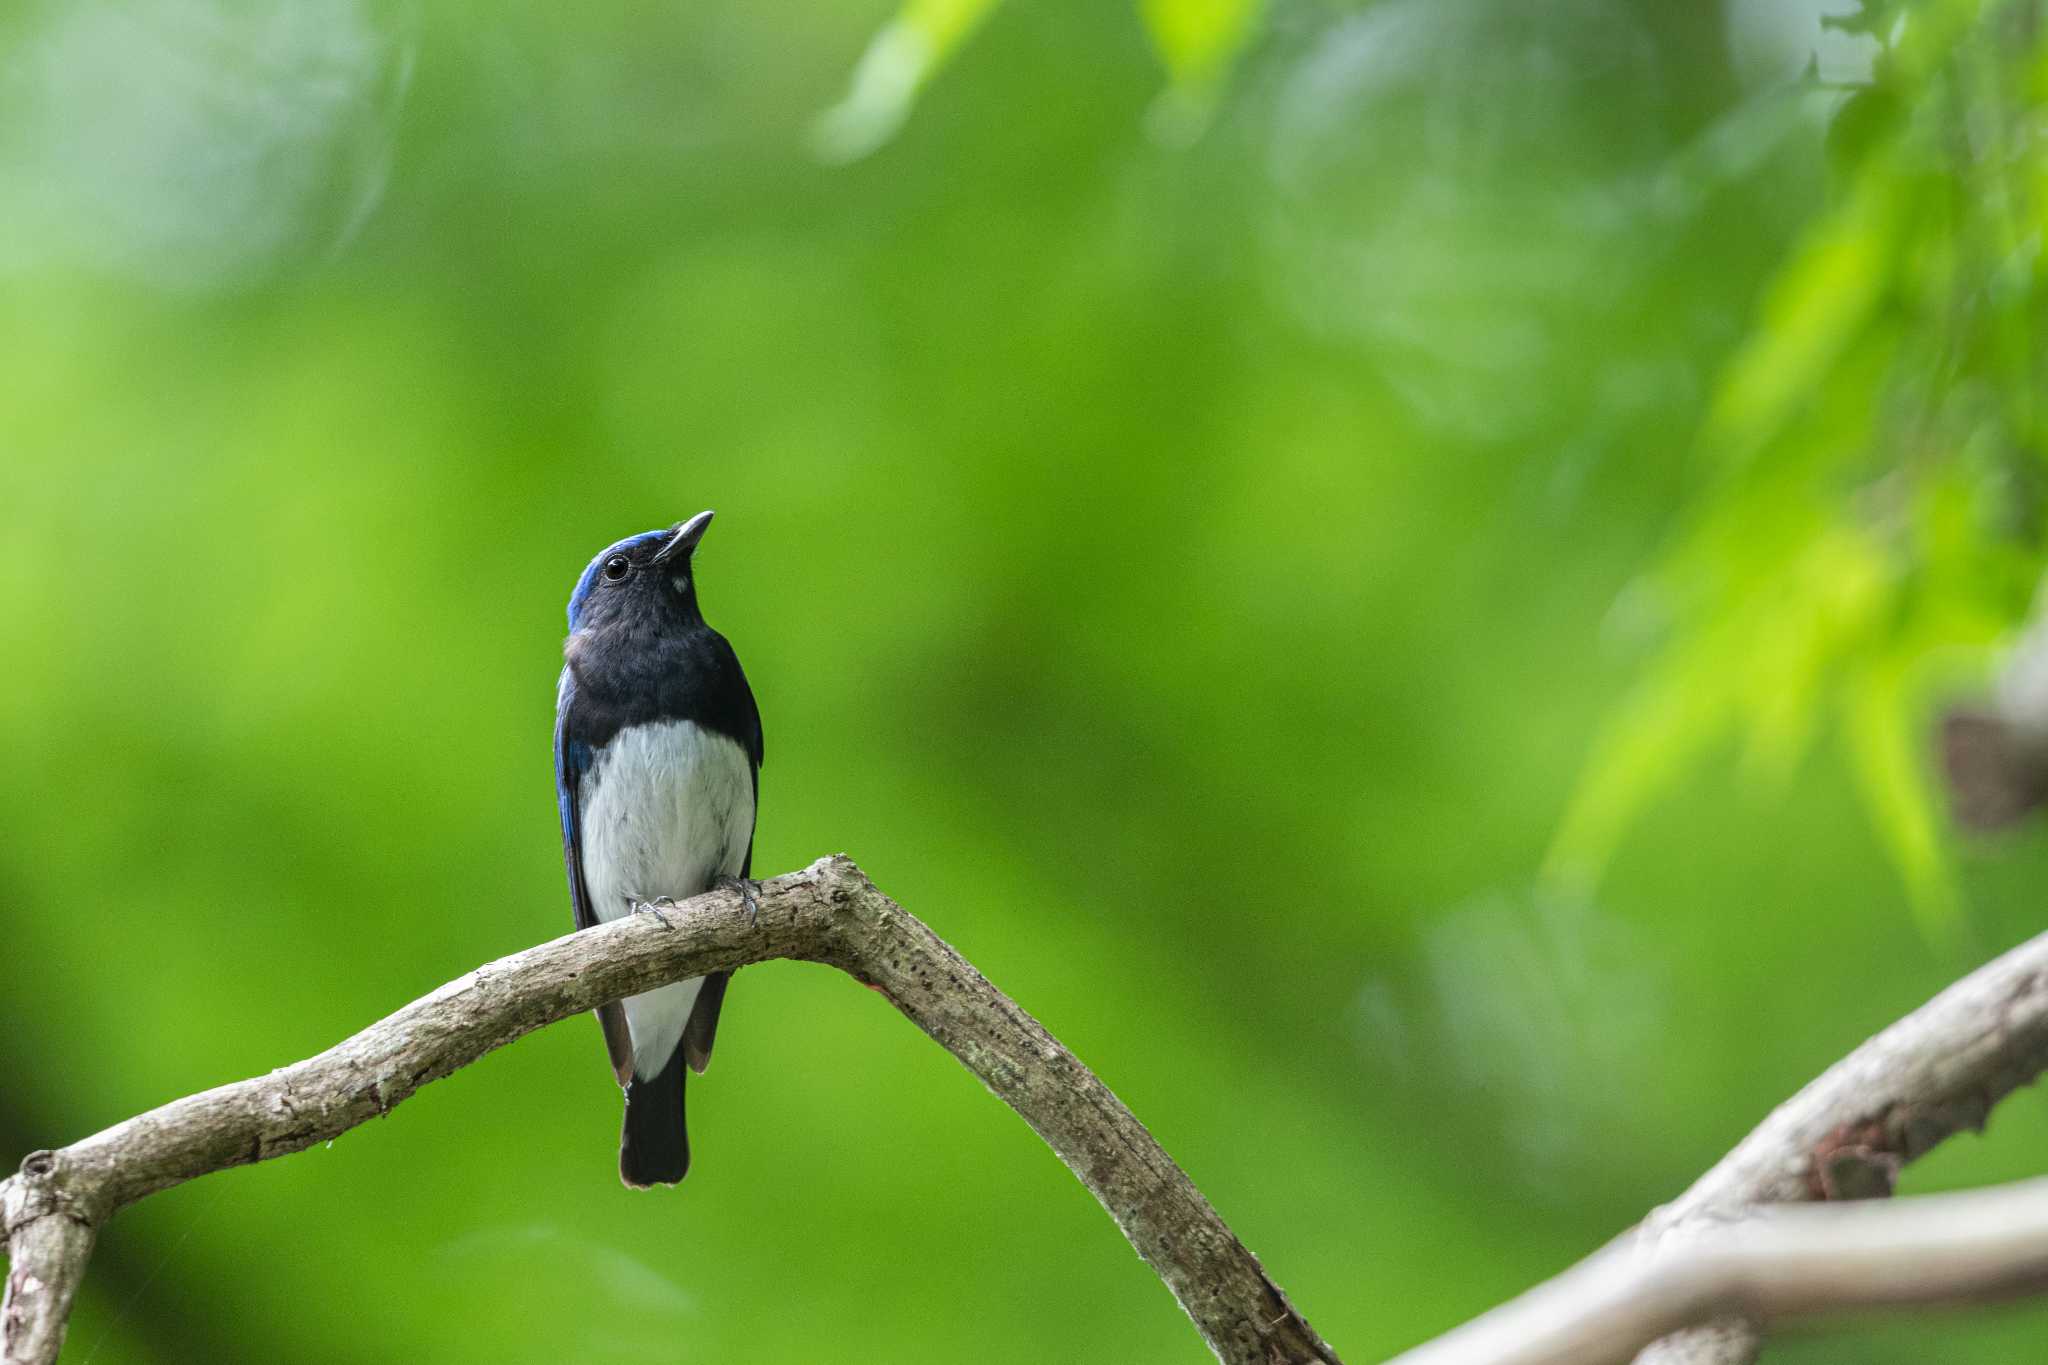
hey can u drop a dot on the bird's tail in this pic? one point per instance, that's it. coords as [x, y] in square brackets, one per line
[654, 1148]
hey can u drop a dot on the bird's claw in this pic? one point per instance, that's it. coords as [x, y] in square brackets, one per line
[750, 895]
[655, 907]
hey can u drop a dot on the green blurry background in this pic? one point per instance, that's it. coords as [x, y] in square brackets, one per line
[1383, 569]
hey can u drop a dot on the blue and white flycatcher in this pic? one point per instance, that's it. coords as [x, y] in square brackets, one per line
[657, 768]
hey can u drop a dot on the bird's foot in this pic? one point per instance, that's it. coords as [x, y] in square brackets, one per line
[655, 907]
[750, 894]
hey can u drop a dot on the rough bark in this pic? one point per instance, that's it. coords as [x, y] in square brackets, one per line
[828, 913]
[48, 1242]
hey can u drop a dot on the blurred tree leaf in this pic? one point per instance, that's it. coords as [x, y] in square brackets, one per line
[907, 52]
[1868, 522]
[1199, 41]
[1883, 733]
[1824, 300]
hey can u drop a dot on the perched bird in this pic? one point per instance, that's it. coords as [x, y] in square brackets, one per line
[657, 767]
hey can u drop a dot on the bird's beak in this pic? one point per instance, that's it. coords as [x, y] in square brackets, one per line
[684, 541]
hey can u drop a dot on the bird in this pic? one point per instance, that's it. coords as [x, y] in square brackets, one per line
[657, 774]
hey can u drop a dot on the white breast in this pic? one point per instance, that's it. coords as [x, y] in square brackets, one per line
[666, 810]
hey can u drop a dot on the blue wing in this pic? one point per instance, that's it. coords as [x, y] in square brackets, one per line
[572, 760]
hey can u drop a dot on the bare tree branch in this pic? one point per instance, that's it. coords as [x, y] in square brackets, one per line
[1934, 1073]
[1777, 1266]
[1847, 1135]
[829, 913]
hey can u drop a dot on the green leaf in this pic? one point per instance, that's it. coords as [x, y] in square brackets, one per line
[1834, 598]
[900, 60]
[1687, 701]
[1884, 739]
[1823, 301]
[1198, 41]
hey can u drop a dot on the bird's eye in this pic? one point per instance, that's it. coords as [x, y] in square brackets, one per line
[615, 568]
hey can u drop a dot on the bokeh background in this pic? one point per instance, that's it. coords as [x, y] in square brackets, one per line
[1383, 568]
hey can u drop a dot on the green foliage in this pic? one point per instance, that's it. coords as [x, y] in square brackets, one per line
[1866, 527]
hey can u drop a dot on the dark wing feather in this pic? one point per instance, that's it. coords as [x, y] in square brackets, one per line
[572, 761]
[702, 1030]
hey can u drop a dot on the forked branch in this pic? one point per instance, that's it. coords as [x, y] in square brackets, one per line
[1711, 1257]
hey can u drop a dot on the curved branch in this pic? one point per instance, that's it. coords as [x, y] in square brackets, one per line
[828, 913]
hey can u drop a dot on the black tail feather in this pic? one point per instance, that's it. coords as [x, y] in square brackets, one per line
[654, 1148]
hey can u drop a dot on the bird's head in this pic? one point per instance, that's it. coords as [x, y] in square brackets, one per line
[645, 579]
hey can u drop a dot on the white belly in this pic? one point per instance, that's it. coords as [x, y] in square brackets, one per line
[666, 810]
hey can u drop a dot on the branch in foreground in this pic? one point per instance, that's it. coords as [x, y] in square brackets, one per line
[828, 913]
[1777, 1266]
[1847, 1135]
[1936, 1072]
